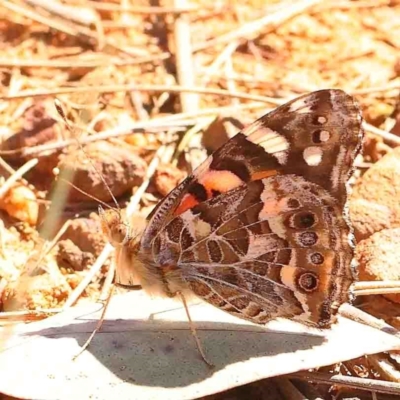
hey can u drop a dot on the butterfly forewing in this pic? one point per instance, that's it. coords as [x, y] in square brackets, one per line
[316, 136]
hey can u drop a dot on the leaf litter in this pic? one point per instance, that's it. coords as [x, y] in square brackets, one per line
[131, 85]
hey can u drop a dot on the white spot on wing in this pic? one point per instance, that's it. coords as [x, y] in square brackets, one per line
[300, 107]
[252, 128]
[324, 136]
[281, 157]
[202, 229]
[271, 141]
[197, 228]
[313, 155]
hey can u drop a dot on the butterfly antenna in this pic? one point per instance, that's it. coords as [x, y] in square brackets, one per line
[61, 112]
[56, 172]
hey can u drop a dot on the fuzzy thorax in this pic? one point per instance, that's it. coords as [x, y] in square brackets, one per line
[132, 267]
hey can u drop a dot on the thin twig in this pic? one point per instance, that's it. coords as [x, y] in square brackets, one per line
[363, 285]
[162, 124]
[349, 381]
[11, 171]
[345, 5]
[384, 367]
[188, 136]
[82, 15]
[28, 13]
[7, 168]
[246, 78]
[230, 83]
[226, 110]
[108, 284]
[89, 276]
[142, 9]
[385, 135]
[141, 88]
[17, 175]
[376, 89]
[147, 126]
[287, 389]
[184, 61]
[355, 314]
[368, 292]
[151, 169]
[47, 247]
[77, 63]
[218, 62]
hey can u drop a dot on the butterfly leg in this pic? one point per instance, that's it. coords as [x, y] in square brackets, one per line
[108, 287]
[194, 332]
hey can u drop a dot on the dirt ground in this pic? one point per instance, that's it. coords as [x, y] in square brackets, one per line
[149, 89]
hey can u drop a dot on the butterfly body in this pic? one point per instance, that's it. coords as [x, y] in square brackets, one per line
[260, 229]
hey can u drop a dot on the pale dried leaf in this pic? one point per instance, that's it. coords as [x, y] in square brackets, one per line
[145, 351]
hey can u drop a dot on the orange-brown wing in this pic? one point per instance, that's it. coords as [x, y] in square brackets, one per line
[277, 247]
[316, 136]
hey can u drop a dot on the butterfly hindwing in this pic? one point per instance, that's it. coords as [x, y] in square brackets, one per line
[274, 247]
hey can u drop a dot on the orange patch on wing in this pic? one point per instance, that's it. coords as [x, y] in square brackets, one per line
[272, 208]
[263, 174]
[288, 276]
[188, 201]
[221, 181]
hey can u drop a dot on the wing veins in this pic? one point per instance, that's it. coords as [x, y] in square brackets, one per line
[217, 294]
[244, 291]
[241, 270]
[215, 229]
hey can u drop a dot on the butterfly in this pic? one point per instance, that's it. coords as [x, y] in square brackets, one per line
[260, 229]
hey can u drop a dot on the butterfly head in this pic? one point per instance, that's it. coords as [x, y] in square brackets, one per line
[114, 226]
[118, 229]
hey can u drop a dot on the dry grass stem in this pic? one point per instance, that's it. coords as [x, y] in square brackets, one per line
[101, 259]
[355, 314]
[142, 9]
[184, 61]
[384, 367]
[8, 184]
[81, 15]
[376, 385]
[141, 88]
[387, 136]
[104, 61]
